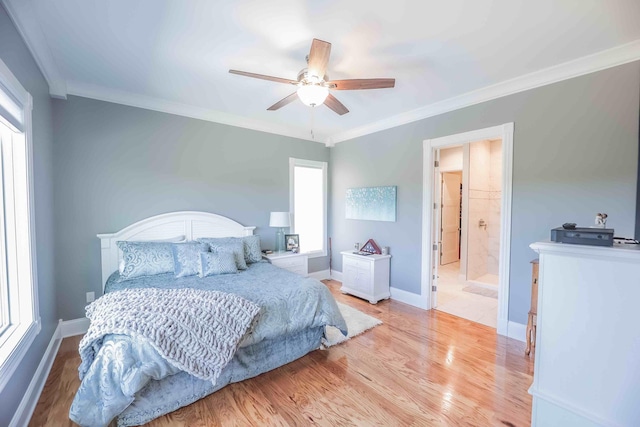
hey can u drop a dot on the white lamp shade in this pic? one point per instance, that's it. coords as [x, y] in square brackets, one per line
[280, 219]
[312, 94]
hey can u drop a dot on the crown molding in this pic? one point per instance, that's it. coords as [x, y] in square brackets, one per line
[619, 55]
[171, 107]
[23, 17]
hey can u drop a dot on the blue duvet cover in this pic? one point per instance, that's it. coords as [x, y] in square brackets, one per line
[129, 379]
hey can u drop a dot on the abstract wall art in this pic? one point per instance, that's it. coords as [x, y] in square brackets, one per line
[371, 203]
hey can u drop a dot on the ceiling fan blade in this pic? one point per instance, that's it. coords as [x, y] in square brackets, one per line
[357, 84]
[264, 77]
[284, 101]
[335, 105]
[319, 58]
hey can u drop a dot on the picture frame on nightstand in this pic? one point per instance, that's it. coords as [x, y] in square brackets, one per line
[292, 242]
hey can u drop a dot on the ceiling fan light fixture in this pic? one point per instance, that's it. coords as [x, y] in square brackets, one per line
[312, 94]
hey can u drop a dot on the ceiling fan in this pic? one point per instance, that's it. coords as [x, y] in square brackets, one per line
[314, 84]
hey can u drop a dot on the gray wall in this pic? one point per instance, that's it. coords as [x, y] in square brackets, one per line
[16, 56]
[115, 165]
[575, 154]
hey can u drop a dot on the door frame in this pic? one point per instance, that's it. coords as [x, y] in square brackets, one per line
[504, 132]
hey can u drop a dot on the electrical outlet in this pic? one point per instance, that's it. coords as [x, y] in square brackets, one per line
[91, 296]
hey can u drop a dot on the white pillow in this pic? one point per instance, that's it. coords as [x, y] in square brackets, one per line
[177, 239]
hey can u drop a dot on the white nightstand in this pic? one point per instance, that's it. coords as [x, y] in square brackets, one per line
[366, 276]
[297, 263]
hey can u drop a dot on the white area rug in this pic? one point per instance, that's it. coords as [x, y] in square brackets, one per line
[480, 290]
[357, 323]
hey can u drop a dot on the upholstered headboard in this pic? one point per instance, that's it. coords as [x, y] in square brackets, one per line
[190, 224]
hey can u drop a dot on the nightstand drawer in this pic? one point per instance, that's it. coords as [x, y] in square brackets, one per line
[296, 263]
[289, 263]
[356, 263]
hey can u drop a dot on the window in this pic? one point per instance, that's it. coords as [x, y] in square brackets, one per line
[19, 318]
[308, 187]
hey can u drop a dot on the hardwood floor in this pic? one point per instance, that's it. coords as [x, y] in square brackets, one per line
[420, 368]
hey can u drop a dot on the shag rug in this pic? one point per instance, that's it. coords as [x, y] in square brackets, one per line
[479, 290]
[357, 323]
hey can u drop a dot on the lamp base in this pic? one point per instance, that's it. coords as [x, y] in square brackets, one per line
[280, 240]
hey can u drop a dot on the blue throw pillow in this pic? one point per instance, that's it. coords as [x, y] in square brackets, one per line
[145, 258]
[186, 258]
[228, 244]
[252, 251]
[214, 263]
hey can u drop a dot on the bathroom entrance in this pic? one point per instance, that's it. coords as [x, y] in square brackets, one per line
[470, 182]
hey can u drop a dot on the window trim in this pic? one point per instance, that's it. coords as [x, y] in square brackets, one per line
[293, 162]
[21, 336]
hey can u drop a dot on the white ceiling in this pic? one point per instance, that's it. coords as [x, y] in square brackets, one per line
[174, 56]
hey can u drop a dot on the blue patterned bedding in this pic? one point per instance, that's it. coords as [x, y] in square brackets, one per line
[294, 311]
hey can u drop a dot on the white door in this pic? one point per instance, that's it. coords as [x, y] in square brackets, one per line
[435, 253]
[450, 217]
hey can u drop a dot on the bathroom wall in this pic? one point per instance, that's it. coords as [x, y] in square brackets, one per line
[479, 193]
[485, 196]
[495, 202]
[451, 159]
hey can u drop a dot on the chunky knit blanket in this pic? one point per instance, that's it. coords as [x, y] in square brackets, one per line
[197, 331]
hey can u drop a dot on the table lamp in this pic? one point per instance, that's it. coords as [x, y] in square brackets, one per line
[281, 220]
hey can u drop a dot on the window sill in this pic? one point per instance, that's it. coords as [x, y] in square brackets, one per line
[14, 348]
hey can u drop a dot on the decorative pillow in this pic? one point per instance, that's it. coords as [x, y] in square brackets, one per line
[145, 258]
[252, 252]
[214, 263]
[177, 239]
[228, 244]
[186, 257]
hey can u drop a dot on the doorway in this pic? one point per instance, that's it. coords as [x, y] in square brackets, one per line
[480, 227]
[467, 282]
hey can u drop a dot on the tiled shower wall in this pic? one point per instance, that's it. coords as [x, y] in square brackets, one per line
[485, 172]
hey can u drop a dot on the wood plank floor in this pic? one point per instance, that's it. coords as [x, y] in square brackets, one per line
[417, 369]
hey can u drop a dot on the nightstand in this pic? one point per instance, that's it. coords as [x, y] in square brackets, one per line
[366, 276]
[296, 263]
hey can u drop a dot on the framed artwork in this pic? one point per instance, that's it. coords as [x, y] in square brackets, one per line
[371, 203]
[292, 242]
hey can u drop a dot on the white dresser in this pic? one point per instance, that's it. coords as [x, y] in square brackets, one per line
[296, 263]
[587, 365]
[365, 276]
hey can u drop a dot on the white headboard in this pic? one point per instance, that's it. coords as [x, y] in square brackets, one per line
[190, 224]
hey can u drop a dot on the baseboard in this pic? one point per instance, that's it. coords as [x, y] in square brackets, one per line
[70, 328]
[336, 275]
[406, 297]
[517, 331]
[30, 399]
[320, 275]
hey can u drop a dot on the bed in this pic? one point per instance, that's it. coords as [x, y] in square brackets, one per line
[132, 381]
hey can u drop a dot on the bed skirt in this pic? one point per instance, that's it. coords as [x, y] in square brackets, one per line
[171, 393]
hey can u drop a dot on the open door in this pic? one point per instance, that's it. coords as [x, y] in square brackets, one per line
[450, 217]
[435, 258]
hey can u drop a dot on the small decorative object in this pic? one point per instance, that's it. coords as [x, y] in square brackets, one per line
[356, 246]
[371, 203]
[371, 248]
[281, 220]
[293, 242]
[601, 220]
[385, 250]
